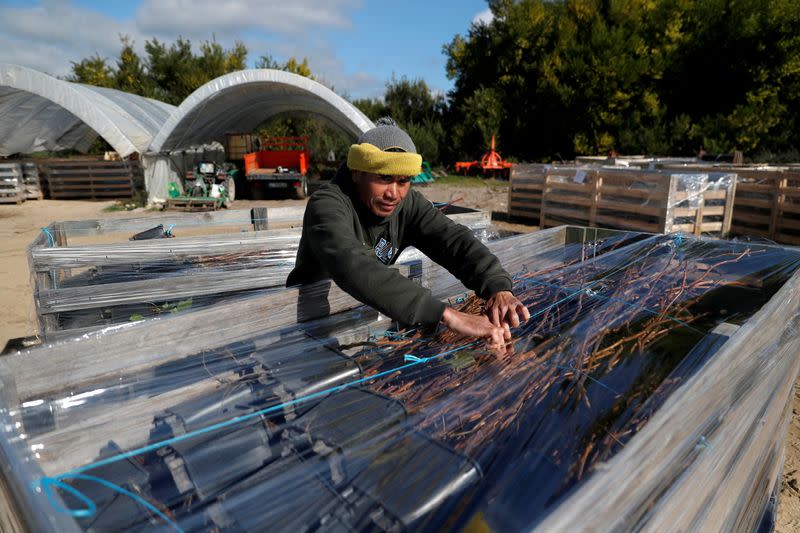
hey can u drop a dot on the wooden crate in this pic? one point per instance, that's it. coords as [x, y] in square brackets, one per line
[91, 179]
[638, 200]
[11, 191]
[525, 191]
[767, 205]
[239, 144]
[30, 178]
[767, 202]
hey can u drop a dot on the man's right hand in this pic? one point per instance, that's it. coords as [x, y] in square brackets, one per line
[476, 326]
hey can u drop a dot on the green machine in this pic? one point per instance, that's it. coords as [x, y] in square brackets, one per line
[208, 188]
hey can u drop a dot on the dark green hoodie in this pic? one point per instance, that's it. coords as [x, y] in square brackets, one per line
[344, 241]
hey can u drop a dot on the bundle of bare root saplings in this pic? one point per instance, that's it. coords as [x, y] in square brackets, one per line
[348, 422]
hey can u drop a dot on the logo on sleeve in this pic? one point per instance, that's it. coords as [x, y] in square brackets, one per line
[385, 251]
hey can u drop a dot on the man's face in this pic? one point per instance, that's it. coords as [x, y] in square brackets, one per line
[381, 194]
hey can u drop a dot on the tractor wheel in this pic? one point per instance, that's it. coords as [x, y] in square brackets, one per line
[301, 191]
[230, 190]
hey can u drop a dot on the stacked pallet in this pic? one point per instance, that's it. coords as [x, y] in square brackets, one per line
[769, 206]
[652, 201]
[767, 202]
[97, 180]
[525, 190]
[31, 184]
[11, 189]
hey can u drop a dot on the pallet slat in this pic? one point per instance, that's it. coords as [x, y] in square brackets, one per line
[91, 179]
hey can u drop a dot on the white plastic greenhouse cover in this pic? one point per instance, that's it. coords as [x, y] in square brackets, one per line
[242, 100]
[40, 112]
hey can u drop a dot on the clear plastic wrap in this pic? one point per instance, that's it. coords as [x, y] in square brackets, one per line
[226, 104]
[83, 282]
[40, 112]
[643, 200]
[648, 390]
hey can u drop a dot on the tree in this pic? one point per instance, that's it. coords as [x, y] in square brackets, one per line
[416, 109]
[658, 76]
[130, 75]
[92, 71]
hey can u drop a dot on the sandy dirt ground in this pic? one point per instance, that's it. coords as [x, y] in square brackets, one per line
[19, 225]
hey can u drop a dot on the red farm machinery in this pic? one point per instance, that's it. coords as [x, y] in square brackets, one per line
[490, 165]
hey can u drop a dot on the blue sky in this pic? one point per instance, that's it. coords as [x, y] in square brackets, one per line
[354, 45]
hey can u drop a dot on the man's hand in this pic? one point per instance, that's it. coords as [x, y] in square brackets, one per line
[476, 326]
[505, 308]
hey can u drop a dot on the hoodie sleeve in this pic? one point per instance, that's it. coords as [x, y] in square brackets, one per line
[455, 247]
[328, 223]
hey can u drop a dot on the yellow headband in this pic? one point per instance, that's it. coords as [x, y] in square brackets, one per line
[369, 158]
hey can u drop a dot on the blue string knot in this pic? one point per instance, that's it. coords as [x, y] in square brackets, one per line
[50, 238]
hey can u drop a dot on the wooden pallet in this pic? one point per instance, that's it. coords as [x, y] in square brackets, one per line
[192, 204]
[648, 201]
[11, 191]
[97, 180]
[30, 178]
[767, 202]
[769, 206]
[525, 190]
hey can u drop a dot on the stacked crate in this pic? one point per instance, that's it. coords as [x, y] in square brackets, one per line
[30, 179]
[525, 190]
[634, 199]
[96, 180]
[11, 189]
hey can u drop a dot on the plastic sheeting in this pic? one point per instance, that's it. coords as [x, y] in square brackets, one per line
[132, 288]
[40, 112]
[648, 390]
[162, 169]
[98, 285]
[242, 100]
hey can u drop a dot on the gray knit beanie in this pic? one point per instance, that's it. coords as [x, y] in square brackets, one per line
[387, 136]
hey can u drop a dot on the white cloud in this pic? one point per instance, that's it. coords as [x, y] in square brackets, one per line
[49, 36]
[484, 17]
[279, 16]
[329, 69]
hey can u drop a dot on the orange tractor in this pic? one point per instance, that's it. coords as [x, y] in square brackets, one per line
[490, 165]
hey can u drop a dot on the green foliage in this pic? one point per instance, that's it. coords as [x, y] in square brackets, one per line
[649, 76]
[168, 73]
[93, 71]
[171, 72]
[415, 108]
[324, 138]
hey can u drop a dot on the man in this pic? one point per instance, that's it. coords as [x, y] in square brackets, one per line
[356, 226]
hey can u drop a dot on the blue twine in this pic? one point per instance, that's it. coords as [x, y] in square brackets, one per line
[703, 442]
[169, 229]
[51, 241]
[77, 473]
[48, 483]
